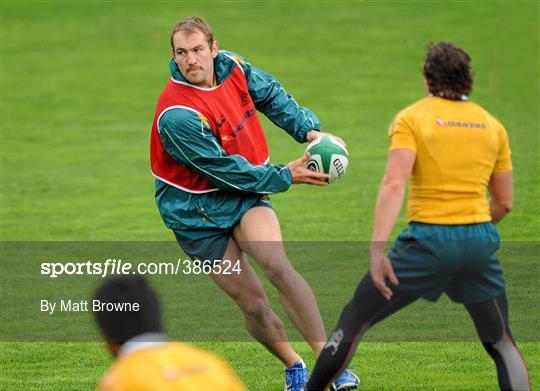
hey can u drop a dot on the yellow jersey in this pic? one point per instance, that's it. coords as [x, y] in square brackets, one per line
[458, 146]
[169, 367]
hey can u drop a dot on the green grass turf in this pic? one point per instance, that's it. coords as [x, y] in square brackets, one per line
[382, 366]
[79, 83]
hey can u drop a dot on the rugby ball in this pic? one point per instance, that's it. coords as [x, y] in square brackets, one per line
[329, 156]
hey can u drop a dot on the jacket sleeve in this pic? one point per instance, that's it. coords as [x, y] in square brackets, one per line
[188, 138]
[273, 101]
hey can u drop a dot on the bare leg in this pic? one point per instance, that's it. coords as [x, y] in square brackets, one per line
[261, 322]
[259, 235]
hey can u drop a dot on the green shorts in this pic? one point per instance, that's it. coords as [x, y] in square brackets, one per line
[210, 244]
[460, 260]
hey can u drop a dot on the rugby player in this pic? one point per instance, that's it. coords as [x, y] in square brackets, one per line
[210, 159]
[452, 151]
[145, 359]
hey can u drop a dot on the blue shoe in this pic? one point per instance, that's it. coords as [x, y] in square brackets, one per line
[296, 376]
[346, 381]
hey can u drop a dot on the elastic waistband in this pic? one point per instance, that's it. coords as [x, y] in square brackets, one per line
[485, 231]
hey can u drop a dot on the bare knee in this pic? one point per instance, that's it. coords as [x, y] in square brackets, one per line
[279, 271]
[255, 308]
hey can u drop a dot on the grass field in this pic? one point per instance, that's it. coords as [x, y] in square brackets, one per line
[79, 82]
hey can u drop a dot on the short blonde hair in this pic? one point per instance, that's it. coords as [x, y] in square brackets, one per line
[192, 24]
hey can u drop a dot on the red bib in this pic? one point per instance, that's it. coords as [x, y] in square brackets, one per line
[227, 109]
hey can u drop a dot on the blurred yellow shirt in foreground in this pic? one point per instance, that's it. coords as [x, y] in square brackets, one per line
[458, 146]
[169, 367]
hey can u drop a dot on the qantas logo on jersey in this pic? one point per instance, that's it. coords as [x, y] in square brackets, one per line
[441, 122]
[458, 124]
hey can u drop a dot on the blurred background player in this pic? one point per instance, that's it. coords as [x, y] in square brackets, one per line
[453, 151]
[145, 359]
[210, 159]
